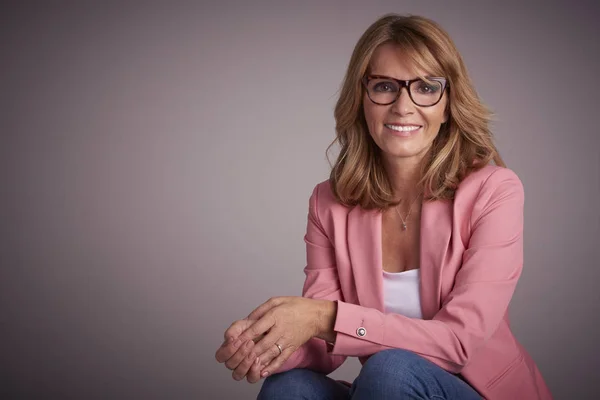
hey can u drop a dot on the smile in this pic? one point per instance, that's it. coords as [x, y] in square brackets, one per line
[403, 128]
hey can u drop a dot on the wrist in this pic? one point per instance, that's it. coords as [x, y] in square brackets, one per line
[326, 320]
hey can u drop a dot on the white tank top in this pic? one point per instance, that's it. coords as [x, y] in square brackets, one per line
[401, 293]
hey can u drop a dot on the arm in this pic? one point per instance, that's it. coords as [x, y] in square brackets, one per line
[321, 283]
[483, 287]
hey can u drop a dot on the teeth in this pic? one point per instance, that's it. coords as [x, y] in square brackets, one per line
[403, 128]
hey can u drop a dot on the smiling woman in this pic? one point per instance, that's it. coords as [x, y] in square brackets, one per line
[414, 109]
[414, 244]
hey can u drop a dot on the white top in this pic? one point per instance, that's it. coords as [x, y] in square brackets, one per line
[401, 293]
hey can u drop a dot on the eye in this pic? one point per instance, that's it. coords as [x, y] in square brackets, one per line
[384, 86]
[427, 88]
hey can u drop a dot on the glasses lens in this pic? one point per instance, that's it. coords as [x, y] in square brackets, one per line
[426, 93]
[383, 91]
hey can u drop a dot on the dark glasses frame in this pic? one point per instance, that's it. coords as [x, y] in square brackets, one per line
[406, 84]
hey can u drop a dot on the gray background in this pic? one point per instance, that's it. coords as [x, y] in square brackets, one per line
[156, 162]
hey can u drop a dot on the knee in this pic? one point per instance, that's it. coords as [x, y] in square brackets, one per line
[292, 384]
[388, 372]
[396, 364]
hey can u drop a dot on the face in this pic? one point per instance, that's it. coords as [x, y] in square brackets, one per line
[402, 130]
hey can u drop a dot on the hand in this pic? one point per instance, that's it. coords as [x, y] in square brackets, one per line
[244, 360]
[287, 321]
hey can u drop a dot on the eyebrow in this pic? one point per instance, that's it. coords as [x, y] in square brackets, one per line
[412, 79]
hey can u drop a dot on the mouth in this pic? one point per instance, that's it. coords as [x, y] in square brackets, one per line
[403, 130]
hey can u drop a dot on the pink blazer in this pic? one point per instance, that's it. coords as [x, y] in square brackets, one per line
[471, 259]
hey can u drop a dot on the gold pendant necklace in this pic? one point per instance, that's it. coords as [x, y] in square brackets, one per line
[404, 226]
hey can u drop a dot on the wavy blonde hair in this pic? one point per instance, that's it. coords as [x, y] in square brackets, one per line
[464, 142]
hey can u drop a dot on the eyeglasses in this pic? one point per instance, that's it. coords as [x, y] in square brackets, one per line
[384, 90]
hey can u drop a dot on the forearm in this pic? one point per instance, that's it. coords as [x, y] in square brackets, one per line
[314, 354]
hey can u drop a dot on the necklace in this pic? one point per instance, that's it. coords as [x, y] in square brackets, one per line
[404, 226]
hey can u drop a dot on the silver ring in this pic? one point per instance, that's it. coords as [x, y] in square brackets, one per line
[279, 347]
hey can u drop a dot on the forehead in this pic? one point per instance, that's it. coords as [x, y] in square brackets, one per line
[392, 60]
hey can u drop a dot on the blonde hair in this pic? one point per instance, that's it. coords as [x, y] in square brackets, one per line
[463, 144]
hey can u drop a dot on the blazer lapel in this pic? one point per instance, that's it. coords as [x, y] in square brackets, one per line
[364, 249]
[436, 231]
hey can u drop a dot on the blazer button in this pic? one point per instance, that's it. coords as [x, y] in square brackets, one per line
[361, 332]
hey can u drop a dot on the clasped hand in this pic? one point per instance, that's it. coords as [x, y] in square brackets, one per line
[250, 347]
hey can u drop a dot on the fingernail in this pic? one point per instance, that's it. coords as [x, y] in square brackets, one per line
[249, 344]
[257, 361]
[237, 343]
[264, 374]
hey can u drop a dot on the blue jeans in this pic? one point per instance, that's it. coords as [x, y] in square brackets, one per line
[389, 374]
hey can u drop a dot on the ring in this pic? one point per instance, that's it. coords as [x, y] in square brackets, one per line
[279, 347]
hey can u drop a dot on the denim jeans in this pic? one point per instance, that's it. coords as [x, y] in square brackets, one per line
[389, 374]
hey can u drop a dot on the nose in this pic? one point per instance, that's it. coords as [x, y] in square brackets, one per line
[403, 105]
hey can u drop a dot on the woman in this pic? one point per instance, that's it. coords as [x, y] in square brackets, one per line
[414, 244]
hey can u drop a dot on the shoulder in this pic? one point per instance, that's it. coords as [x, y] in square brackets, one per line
[491, 189]
[324, 203]
[322, 196]
[491, 180]
[323, 191]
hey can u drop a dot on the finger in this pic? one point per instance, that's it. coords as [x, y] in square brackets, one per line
[237, 328]
[277, 362]
[242, 369]
[267, 343]
[258, 328]
[253, 374]
[234, 361]
[270, 353]
[265, 359]
[232, 342]
[225, 351]
[259, 338]
[264, 307]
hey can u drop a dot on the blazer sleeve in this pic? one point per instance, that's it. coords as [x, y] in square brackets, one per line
[470, 314]
[321, 283]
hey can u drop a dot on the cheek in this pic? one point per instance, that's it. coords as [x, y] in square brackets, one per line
[374, 113]
[444, 109]
[435, 118]
[371, 116]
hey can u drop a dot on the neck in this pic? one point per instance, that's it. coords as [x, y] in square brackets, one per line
[404, 175]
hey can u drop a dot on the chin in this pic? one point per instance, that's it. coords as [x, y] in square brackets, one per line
[405, 153]
[401, 155]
